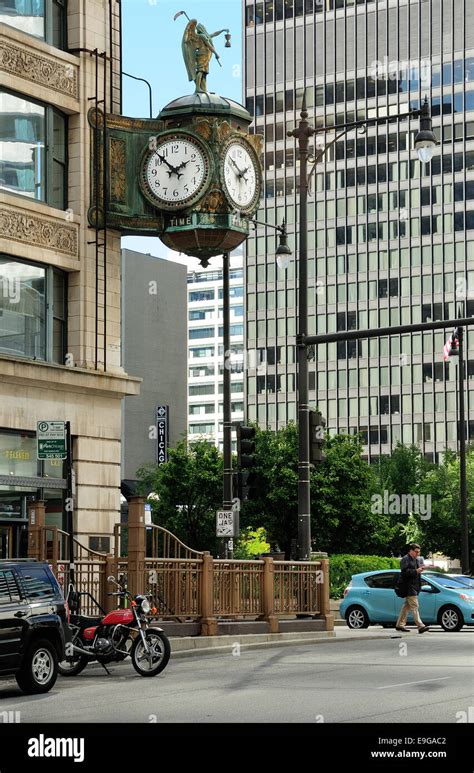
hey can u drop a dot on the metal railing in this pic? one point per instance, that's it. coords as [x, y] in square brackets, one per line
[188, 585]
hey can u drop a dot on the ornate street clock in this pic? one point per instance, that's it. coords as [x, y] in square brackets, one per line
[175, 171]
[203, 173]
[191, 176]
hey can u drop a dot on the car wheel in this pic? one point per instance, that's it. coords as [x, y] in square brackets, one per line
[450, 619]
[357, 618]
[39, 670]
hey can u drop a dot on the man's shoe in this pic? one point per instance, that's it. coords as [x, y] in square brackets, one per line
[423, 628]
[402, 628]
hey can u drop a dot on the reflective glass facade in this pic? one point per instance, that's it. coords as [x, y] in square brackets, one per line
[391, 240]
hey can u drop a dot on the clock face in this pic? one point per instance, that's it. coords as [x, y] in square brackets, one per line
[175, 173]
[241, 175]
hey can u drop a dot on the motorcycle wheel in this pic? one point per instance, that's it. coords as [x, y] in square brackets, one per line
[151, 664]
[72, 668]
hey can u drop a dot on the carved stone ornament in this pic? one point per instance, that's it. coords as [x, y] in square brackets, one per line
[256, 140]
[203, 127]
[39, 231]
[39, 68]
[117, 176]
[213, 202]
[223, 131]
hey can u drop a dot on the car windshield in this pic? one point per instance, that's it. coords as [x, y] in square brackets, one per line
[448, 582]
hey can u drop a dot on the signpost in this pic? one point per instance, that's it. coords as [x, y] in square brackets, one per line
[51, 440]
[227, 523]
[163, 433]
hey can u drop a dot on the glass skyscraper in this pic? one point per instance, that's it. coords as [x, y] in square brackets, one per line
[391, 240]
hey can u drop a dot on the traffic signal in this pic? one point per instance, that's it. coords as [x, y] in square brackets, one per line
[245, 447]
[245, 461]
[316, 437]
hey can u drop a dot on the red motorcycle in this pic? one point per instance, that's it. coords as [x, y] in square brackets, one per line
[115, 636]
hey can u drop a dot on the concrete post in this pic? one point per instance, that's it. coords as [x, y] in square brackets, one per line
[208, 621]
[269, 595]
[325, 596]
[36, 523]
[136, 545]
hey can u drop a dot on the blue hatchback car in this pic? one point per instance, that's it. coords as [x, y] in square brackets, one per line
[370, 599]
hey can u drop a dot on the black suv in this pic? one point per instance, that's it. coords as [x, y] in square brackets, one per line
[33, 624]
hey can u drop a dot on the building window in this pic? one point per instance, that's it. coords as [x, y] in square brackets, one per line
[45, 19]
[33, 141]
[202, 332]
[33, 311]
[201, 295]
[201, 429]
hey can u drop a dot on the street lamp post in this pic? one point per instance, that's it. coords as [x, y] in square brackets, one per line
[425, 142]
[302, 133]
[462, 457]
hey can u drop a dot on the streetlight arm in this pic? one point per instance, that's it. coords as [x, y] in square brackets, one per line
[280, 228]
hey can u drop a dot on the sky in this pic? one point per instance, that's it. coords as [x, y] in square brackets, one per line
[152, 50]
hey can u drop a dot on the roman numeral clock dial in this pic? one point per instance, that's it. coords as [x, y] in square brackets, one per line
[241, 175]
[175, 172]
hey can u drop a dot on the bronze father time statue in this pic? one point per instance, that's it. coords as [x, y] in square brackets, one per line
[198, 49]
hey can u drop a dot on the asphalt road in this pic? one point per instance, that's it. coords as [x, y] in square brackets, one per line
[412, 678]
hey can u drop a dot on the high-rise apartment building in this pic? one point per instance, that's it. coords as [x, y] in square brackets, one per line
[206, 351]
[391, 240]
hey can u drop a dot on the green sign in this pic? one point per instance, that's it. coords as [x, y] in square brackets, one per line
[51, 440]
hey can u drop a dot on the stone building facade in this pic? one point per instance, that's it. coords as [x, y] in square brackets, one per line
[60, 279]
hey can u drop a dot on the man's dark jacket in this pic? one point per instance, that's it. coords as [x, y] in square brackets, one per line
[411, 579]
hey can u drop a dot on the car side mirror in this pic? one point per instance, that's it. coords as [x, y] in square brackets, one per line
[427, 589]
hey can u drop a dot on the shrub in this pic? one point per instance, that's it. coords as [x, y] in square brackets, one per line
[342, 567]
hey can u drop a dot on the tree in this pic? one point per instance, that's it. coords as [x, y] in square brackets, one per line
[403, 473]
[341, 489]
[275, 503]
[189, 489]
[343, 520]
[442, 530]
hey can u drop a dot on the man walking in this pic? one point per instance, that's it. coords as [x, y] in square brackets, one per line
[411, 583]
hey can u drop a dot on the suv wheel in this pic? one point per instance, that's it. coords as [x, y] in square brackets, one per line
[40, 668]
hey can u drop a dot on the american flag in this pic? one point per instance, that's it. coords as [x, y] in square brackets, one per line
[451, 346]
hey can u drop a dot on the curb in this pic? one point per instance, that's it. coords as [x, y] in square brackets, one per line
[224, 650]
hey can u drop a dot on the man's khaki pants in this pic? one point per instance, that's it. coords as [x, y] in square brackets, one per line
[410, 605]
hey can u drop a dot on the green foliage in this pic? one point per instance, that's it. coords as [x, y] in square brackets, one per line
[405, 471]
[341, 490]
[251, 544]
[342, 567]
[189, 488]
[442, 532]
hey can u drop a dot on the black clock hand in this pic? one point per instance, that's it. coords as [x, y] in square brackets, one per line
[182, 164]
[173, 169]
[239, 171]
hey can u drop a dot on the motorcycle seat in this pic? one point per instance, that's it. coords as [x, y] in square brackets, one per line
[84, 621]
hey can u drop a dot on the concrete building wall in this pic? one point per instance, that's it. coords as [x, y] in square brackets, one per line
[154, 348]
[88, 386]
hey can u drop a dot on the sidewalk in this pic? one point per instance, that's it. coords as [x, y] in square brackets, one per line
[214, 645]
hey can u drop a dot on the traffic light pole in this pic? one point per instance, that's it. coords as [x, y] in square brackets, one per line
[462, 459]
[227, 400]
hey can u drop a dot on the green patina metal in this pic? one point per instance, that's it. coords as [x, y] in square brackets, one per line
[211, 225]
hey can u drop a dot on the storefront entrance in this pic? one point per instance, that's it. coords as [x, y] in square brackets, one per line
[24, 479]
[6, 543]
